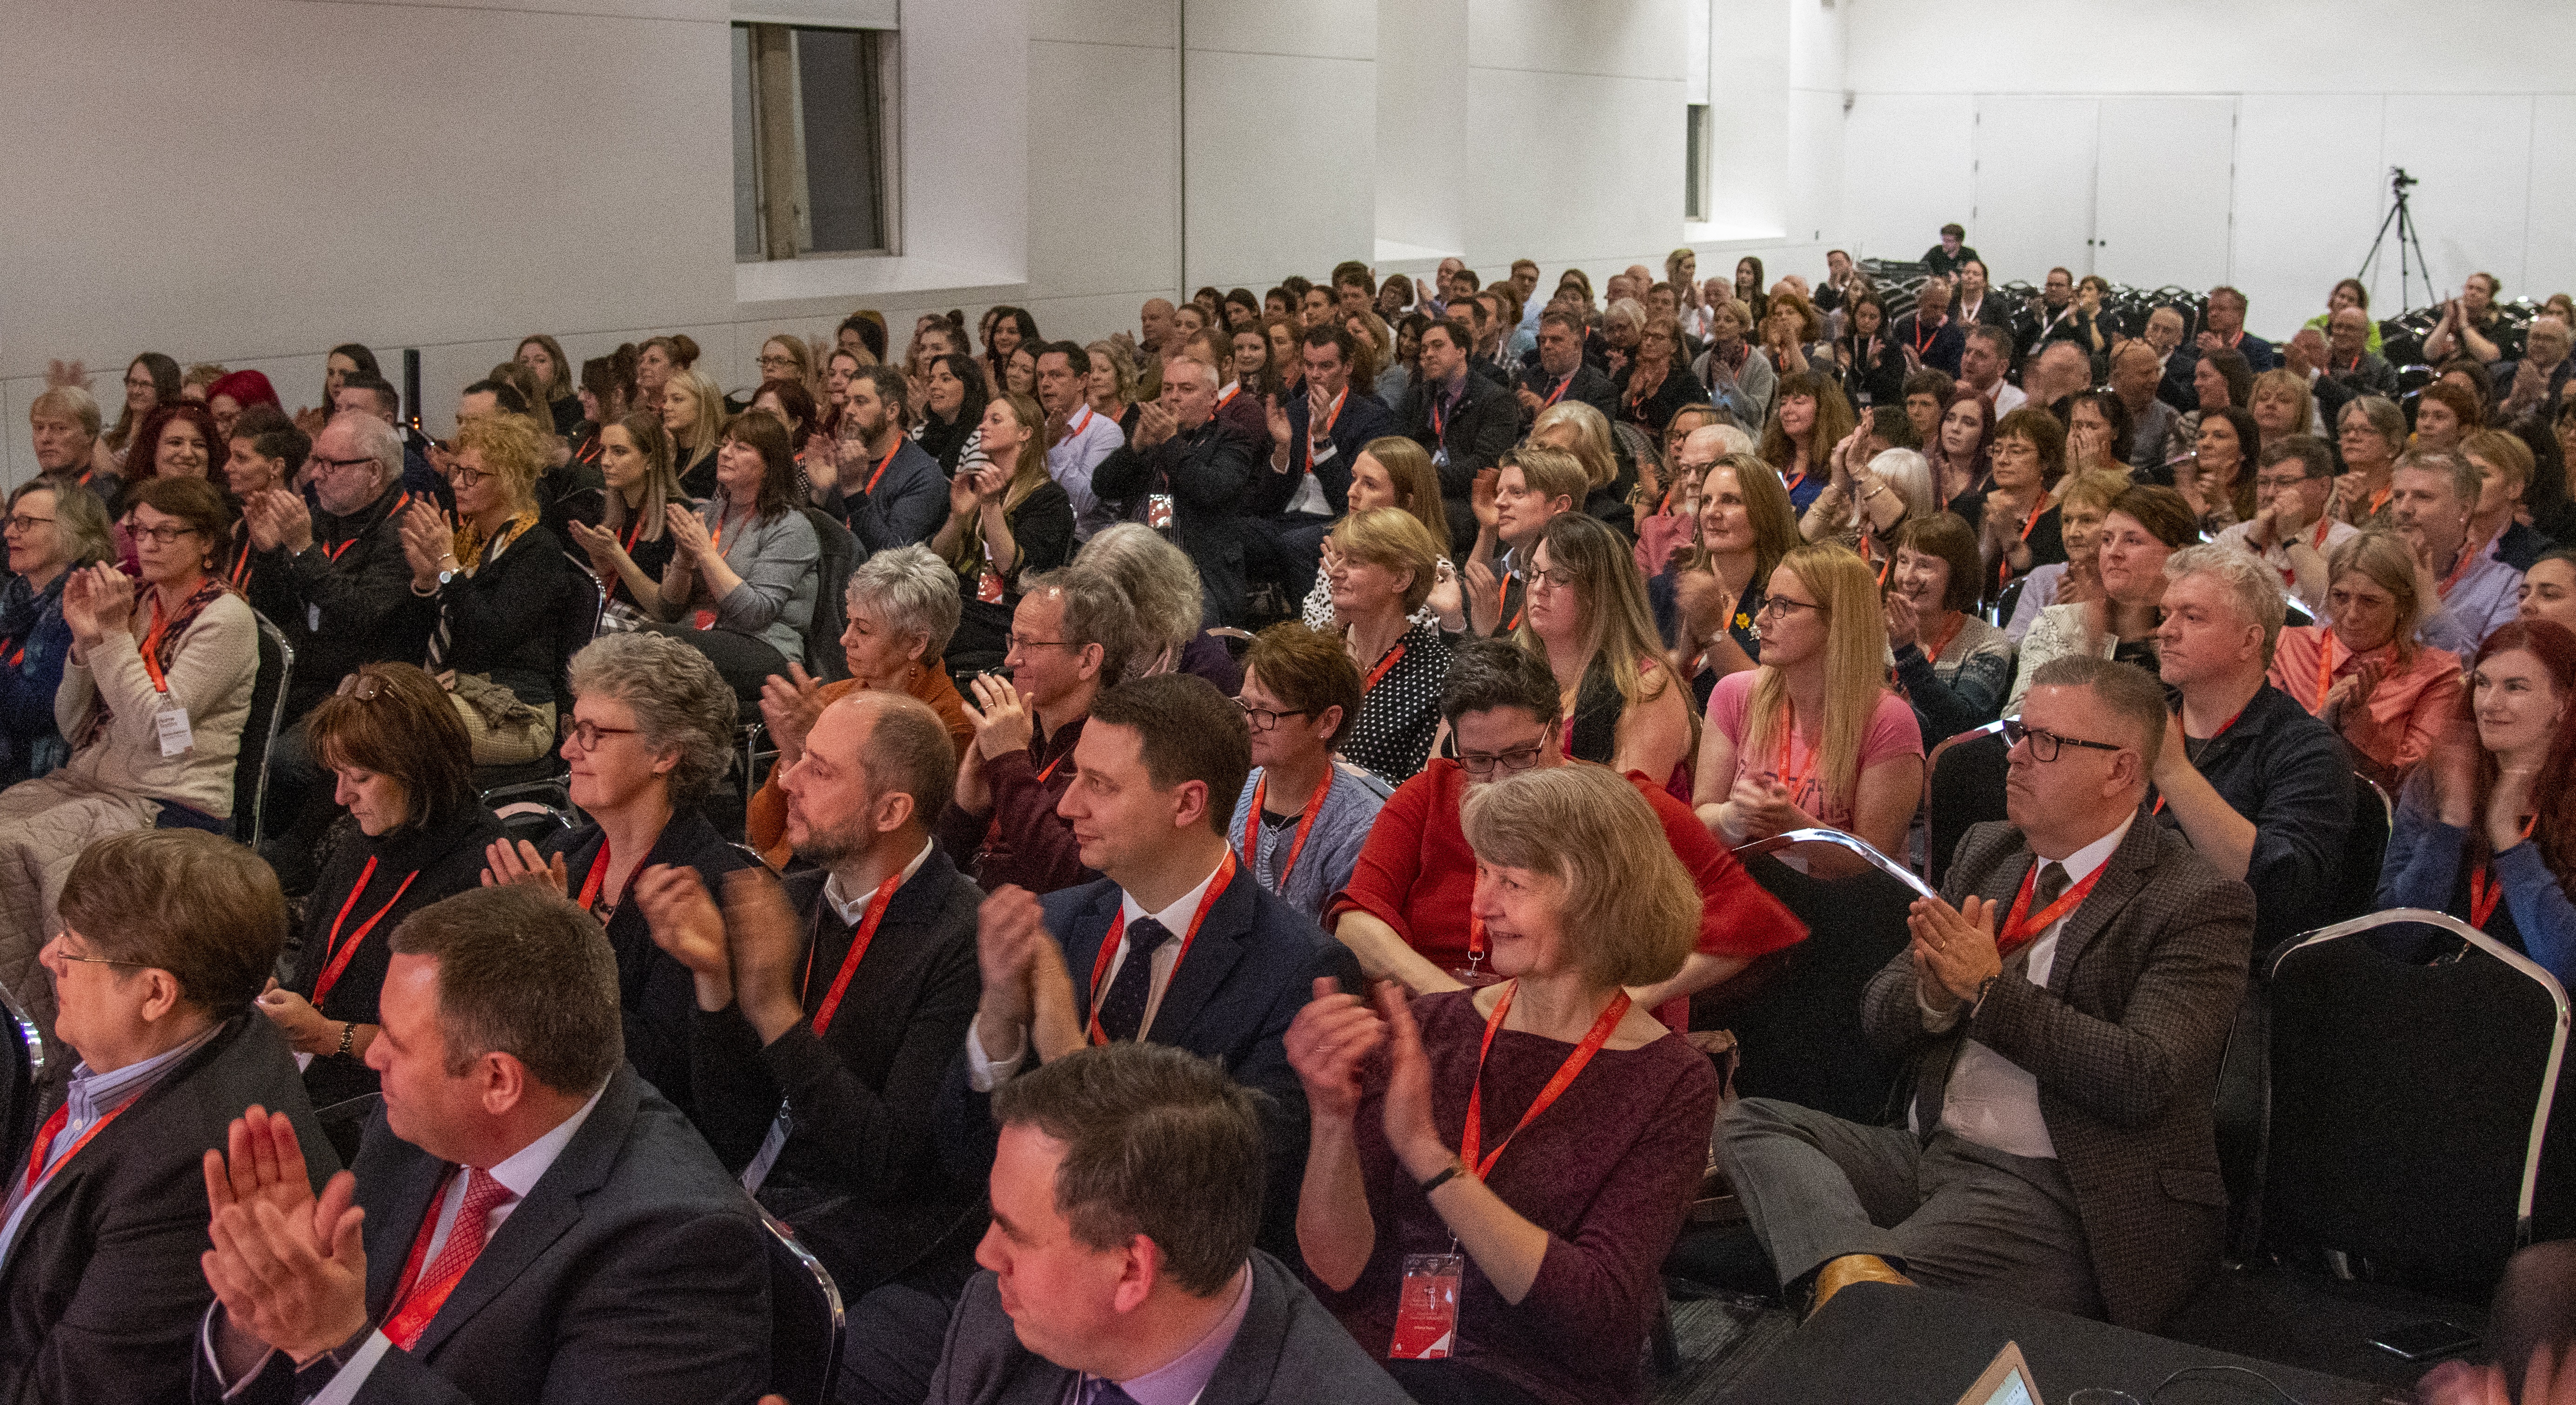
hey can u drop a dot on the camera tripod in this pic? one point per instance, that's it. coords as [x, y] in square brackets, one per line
[2401, 219]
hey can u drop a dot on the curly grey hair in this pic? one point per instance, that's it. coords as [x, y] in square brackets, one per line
[679, 700]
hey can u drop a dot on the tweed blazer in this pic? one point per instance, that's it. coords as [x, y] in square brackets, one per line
[2124, 1040]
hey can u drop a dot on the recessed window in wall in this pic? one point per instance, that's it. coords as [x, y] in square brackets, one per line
[1695, 178]
[812, 164]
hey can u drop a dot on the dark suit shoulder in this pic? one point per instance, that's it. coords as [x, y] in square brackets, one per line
[1290, 1347]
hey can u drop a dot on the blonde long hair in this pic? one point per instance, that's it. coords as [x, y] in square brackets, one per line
[1027, 476]
[1854, 662]
[1618, 625]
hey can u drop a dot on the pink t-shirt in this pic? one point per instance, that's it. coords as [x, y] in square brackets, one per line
[1892, 732]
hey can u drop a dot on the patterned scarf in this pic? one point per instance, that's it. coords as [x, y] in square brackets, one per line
[165, 650]
[470, 541]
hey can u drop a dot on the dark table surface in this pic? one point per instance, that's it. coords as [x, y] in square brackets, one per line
[1921, 1346]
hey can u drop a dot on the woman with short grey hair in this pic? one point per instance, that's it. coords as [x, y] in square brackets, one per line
[649, 741]
[903, 606]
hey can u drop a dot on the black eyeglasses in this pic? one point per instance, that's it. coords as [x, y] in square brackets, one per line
[1483, 763]
[1262, 719]
[329, 465]
[162, 536]
[2044, 746]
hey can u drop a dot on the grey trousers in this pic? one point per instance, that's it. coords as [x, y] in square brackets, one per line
[1950, 1214]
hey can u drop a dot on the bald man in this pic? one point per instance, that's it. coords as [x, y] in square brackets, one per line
[1155, 320]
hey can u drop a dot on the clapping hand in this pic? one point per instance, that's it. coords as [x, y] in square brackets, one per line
[279, 518]
[689, 536]
[684, 922]
[1002, 721]
[1410, 1130]
[1328, 1043]
[1281, 431]
[428, 543]
[1154, 424]
[1954, 947]
[790, 707]
[1904, 622]
[97, 601]
[1762, 806]
[1480, 498]
[507, 861]
[599, 544]
[289, 1268]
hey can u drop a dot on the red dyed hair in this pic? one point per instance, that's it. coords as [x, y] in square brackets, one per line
[247, 388]
[143, 461]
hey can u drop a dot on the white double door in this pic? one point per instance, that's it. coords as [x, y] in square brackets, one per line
[2137, 189]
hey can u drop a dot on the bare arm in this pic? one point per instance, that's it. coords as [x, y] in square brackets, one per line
[1385, 955]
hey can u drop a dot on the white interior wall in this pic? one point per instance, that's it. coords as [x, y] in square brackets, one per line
[2302, 105]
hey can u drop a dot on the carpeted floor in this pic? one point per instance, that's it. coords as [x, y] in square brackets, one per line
[1719, 1337]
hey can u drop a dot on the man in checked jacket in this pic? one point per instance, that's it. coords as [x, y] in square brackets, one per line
[2066, 1016]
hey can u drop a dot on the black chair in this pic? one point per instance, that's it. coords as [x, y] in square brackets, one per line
[26, 1076]
[533, 810]
[577, 614]
[259, 731]
[2365, 845]
[806, 1320]
[344, 1123]
[1797, 1022]
[2007, 600]
[840, 556]
[2402, 1140]
[1963, 784]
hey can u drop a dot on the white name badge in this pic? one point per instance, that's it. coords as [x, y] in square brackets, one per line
[175, 736]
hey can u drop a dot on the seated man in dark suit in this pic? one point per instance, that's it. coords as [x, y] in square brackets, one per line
[816, 1066]
[538, 1224]
[168, 935]
[1305, 484]
[1184, 473]
[1465, 422]
[2065, 1002]
[1928, 332]
[2260, 787]
[1125, 1197]
[1560, 373]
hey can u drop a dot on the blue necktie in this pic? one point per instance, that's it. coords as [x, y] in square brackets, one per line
[1122, 1007]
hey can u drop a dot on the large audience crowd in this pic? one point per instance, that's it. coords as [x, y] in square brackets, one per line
[924, 668]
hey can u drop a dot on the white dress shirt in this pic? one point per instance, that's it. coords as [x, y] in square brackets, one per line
[1990, 1100]
[1089, 437]
[518, 1173]
[984, 1071]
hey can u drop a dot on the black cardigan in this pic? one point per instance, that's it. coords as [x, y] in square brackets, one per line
[655, 993]
[501, 619]
[449, 860]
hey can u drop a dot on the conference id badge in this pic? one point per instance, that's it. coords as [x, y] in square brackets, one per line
[705, 619]
[1440, 457]
[1426, 1308]
[988, 587]
[313, 618]
[1158, 511]
[172, 722]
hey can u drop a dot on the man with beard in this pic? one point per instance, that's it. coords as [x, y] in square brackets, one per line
[830, 1006]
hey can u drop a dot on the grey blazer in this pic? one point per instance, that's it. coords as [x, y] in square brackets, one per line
[2125, 1041]
[778, 560]
[1288, 1349]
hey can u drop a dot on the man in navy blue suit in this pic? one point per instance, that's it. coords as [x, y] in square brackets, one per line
[1169, 947]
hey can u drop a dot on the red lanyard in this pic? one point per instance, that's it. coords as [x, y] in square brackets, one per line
[1559, 393]
[2222, 731]
[152, 647]
[2484, 891]
[1370, 683]
[40, 1158]
[1118, 931]
[882, 464]
[2022, 925]
[2469, 551]
[596, 878]
[336, 956]
[1502, 597]
[2378, 500]
[1230, 392]
[1050, 766]
[1923, 343]
[1334, 417]
[1253, 827]
[859, 939]
[715, 539]
[2003, 565]
[1073, 433]
[1946, 636]
[241, 568]
[1792, 485]
[333, 554]
[1474, 1135]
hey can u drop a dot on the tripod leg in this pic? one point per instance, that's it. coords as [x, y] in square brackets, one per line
[2378, 239]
